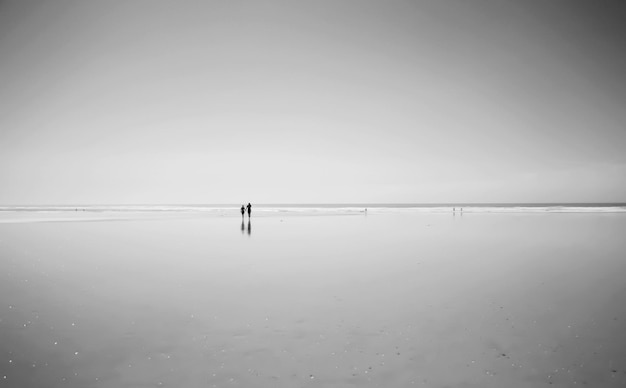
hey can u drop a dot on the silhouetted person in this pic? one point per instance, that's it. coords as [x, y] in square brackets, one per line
[242, 211]
[249, 209]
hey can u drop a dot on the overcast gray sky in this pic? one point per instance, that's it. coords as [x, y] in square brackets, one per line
[312, 101]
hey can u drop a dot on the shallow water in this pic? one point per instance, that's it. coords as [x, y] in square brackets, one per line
[390, 300]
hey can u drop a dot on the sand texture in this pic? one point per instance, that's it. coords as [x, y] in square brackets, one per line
[376, 300]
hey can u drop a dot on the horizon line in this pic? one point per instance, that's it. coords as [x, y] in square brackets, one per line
[371, 204]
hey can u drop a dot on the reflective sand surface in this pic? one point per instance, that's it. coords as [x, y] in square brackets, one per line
[383, 300]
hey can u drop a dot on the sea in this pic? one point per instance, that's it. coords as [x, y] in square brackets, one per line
[334, 208]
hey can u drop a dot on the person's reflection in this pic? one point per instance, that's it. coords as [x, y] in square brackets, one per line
[249, 227]
[242, 226]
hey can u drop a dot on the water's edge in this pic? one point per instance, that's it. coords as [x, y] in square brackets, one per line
[338, 208]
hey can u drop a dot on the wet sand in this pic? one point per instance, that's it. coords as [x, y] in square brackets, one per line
[383, 300]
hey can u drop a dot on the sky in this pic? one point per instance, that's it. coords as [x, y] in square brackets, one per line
[189, 102]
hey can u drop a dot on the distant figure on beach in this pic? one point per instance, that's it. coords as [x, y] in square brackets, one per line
[242, 211]
[249, 209]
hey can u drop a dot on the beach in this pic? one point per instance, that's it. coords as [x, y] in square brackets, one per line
[312, 299]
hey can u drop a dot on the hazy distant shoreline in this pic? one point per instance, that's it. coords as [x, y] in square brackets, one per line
[337, 207]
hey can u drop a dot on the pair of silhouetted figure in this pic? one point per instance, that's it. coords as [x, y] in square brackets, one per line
[249, 210]
[243, 211]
